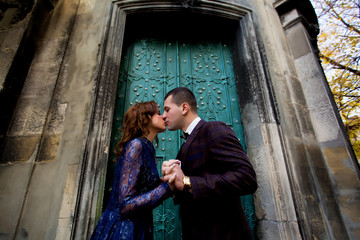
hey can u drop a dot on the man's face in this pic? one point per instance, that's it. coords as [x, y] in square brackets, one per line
[172, 115]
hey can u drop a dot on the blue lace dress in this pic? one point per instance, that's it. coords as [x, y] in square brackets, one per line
[136, 191]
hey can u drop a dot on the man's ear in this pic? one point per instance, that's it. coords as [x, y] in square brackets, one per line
[185, 108]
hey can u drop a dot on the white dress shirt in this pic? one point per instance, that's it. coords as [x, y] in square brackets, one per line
[192, 125]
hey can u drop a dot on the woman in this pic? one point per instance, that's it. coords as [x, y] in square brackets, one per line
[137, 188]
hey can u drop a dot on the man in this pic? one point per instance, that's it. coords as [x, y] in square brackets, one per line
[214, 173]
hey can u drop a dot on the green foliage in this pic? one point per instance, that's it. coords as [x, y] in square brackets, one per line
[339, 45]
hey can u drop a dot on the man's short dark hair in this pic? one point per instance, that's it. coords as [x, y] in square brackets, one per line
[181, 95]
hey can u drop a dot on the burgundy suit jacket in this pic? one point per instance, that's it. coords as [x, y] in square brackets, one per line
[220, 173]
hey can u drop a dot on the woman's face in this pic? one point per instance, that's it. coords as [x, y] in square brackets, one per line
[157, 123]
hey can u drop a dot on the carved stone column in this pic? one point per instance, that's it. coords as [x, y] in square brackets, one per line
[327, 183]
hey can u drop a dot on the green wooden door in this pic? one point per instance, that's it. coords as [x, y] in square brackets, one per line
[152, 67]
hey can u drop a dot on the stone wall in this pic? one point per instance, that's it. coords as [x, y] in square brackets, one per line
[65, 57]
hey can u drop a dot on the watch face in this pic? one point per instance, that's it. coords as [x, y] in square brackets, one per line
[186, 182]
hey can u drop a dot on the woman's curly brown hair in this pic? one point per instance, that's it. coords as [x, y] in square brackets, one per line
[136, 122]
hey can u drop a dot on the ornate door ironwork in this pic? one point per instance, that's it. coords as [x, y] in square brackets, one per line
[152, 67]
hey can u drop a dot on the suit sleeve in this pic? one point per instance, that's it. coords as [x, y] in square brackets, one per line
[231, 173]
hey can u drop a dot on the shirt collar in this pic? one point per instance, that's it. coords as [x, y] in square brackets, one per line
[192, 125]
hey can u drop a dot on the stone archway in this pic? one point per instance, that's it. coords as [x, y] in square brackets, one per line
[255, 96]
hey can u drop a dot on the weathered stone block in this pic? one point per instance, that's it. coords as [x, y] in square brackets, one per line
[14, 181]
[19, 149]
[49, 148]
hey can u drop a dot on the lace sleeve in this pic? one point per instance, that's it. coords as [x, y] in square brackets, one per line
[129, 201]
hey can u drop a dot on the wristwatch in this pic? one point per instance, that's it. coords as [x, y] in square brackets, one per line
[187, 183]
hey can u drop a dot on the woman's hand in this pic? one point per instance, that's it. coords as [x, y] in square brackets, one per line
[167, 166]
[173, 174]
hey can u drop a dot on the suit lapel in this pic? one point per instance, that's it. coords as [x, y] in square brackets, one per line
[185, 147]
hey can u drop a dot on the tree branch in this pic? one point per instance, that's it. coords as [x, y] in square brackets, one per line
[339, 65]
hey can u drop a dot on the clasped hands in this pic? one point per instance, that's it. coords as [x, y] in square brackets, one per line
[172, 174]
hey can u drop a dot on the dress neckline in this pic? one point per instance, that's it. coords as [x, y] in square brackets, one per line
[148, 144]
[145, 140]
